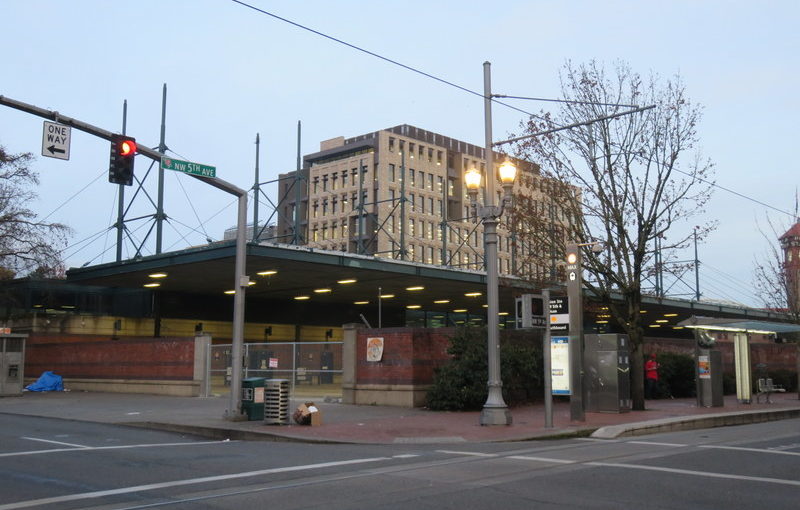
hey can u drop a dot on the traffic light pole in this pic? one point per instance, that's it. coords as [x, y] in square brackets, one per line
[234, 410]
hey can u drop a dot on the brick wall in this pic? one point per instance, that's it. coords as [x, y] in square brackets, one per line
[775, 356]
[410, 355]
[98, 357]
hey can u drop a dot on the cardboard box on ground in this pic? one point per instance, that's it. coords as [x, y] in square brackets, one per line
[308, 414]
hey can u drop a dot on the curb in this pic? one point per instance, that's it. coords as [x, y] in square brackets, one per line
[694, 422]
[222, 433]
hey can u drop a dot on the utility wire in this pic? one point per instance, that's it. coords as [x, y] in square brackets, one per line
[376, 55]
[469, 91]
[74, 195]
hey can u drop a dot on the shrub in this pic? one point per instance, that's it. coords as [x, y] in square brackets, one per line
[676, 375]
[461, 383]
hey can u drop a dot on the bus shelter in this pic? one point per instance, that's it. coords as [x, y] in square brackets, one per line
[741, 330]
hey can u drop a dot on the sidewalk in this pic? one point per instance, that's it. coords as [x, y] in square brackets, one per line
[344, 423]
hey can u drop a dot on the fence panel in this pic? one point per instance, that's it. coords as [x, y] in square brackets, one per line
[314, 369]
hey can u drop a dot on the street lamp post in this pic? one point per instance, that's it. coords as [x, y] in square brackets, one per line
[495, 411]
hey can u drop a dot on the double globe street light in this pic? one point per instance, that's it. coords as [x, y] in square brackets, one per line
[495, 411]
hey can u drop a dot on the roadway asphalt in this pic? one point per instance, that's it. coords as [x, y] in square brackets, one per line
[343, 423]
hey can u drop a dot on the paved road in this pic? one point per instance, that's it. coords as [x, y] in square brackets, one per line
[51, 463]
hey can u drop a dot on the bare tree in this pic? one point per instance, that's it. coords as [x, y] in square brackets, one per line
[626, 183]
[27, 244]
[773, 284]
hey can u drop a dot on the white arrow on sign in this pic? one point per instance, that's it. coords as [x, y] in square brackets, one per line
[55, 140]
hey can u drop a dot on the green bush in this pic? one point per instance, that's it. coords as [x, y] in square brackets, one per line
[461, 384]
[676, 374]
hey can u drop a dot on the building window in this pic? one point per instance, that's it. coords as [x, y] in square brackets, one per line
[439, 206]
[324, 183]
[422, 179]
[430, 182]
[392, 175]
[430, 230]
[411, 228]
[334, 180]
[316, 210]
[451, 186]
[439, 183]
[430, 155]
[324, 232]
[430, 254]
[334, 230]
[412, 177]
[430, 206]
[315, 235]
[316, 183]
[344, 230]
[353, 174]
[333, 205]
[422, 204]
[391, 144]
[438, 157]
[324, 207]
[411, 200]
[422, 229]
[355, 199]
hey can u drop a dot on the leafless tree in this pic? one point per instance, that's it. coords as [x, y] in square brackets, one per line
[27, 245]
[773, 284]
[626, 182]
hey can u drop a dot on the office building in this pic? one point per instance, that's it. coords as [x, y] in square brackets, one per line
[408, 202]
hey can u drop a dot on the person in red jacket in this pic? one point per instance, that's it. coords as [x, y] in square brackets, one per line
[651, 377]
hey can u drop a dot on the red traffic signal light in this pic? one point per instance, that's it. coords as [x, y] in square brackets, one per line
[120, 165]
[127, 147]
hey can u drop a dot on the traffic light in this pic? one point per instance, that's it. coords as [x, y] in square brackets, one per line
[120, 166]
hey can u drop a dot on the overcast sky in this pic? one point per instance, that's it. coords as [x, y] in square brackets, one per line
[232, 72]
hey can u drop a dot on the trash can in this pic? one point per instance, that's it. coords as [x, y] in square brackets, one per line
[276, 401]
[253, 398]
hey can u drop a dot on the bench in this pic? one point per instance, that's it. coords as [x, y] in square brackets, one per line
[767, 387]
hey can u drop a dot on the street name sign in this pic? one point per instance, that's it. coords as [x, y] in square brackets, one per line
[55, 140]
[188, 167]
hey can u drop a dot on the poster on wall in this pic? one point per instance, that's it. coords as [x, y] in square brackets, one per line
[559, 364]
[704, 367]
[375, 348]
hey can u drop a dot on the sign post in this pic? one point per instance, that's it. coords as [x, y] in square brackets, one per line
[575, 299]
[55, 140]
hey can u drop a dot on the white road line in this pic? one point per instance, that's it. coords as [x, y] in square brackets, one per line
[743, 449]
[100, 448]
[473, 454]
[178, 483]
[676, 445]
[405, 456]
[54, 442]
[543, 459]
[706, 474]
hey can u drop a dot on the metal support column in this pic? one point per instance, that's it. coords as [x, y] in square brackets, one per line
[162, 148]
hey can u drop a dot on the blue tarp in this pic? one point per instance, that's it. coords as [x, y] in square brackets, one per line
[48, 381]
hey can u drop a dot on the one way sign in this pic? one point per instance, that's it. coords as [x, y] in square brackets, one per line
[55, 140]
